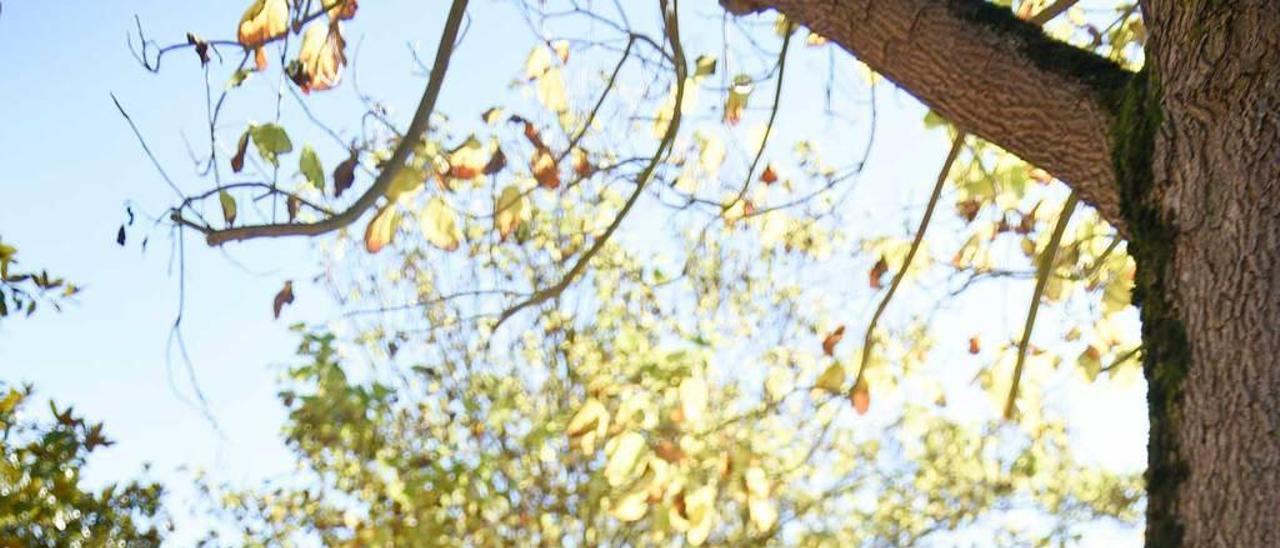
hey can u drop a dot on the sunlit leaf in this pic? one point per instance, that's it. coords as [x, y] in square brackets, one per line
[271, 141]
[831, 379]
[382, 228]
[262, 22]
[508, 210]
[309, 166]
[321, 58]
[228, 203]
[623, 453]
[440, 224]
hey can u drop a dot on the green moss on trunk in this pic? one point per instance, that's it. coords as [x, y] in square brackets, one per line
[1166, 351]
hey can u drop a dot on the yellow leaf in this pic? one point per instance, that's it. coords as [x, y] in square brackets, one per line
[508, 210]
[321, 57]
[588, 425]
[262, 22]
[381, 229]
[468, 160]
[631, 506]
[832, 379]
[763, 513]
[551, 90]
[700, 507]
[228, 207]
[693, 398]
[538, 62]
[737, 100]
[407, 183]
[440, 225]
[624, 452]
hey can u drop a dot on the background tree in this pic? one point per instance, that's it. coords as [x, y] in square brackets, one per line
[536, 210]
[41, 500]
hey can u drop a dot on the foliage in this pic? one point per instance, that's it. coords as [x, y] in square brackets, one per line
[41, 500]
[22, 291]
[514, 367]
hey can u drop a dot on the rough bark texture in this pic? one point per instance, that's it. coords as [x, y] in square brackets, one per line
[990, 74]
[1214, 476]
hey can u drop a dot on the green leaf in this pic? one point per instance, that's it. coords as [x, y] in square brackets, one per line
[271, 141]
[309, 165]
[706, 66]
[228, 207]
[238, 78]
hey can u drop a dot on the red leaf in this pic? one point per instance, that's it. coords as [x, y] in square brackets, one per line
[831, 340]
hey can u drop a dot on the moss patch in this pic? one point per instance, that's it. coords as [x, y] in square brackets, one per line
[1166, 350]
[1099, 74]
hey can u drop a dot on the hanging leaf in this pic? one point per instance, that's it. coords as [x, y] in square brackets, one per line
[320, 59]
[832, 379]
[382, 228]
[544, 169]
[406, 184]
[228, 207]
[624, 454]
[496, 162]
[283, 297]
[292, 205]
[440, 225]
[631, 506]
[492, 115]
[263, 21]
[737, 100]
[975, 346]
[860, 396]
[120, 236]
[705, 66]
[769, 176]
[342, 9]
[201, 47]
[831, 340]
[238, 78]
[508, 210]
[693, 398]
[345, 173]
[237, 161]
[271, 141]
[588, 425]
[468, 160]
[309, 166]
[876, 276]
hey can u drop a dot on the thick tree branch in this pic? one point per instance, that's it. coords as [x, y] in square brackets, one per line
[417, 127]
[990, 74]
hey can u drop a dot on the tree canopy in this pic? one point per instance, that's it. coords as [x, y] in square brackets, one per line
[651, 294]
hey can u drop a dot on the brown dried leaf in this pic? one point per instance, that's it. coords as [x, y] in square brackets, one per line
[285, 296]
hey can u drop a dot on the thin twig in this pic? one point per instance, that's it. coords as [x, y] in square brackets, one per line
[668, 139]
[868, 340]
[1042, 280]
[417, 128]
[773, 115]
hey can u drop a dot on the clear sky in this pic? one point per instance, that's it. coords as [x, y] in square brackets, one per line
[73, 165]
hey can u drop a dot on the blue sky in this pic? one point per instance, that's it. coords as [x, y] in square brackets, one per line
[73, 165]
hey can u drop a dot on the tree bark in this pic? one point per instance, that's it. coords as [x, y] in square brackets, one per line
[1185, 160]
[1214, 470]
[990, 74]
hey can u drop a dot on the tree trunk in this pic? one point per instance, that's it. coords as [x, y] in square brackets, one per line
[1206, 234]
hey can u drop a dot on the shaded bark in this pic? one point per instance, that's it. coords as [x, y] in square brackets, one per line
[1214, 475]
[990, 74]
